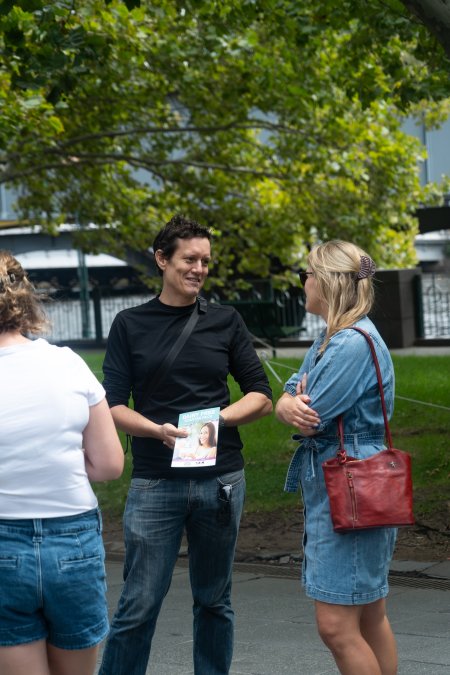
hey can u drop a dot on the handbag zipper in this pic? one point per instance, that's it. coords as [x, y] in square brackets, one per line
[351, 487]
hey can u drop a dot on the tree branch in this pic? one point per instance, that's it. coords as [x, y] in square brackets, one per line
[142, 131]
[435, 16]
[88, 159]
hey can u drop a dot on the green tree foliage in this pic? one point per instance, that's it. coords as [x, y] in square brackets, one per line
[276, 122]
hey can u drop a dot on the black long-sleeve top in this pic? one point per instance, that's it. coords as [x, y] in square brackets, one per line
[219, 345]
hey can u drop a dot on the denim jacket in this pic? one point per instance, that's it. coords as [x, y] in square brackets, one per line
[343, 381]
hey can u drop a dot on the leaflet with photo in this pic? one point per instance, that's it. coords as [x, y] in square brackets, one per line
[199, 448]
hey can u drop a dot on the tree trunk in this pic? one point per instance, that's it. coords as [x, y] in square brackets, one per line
[435, 16]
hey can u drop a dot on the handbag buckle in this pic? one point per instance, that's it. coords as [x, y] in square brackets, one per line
[341, 456]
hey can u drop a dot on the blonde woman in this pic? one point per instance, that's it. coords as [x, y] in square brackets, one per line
[57, 434]
[345, 574]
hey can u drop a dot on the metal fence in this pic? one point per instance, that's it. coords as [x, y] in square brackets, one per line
[434, 306]
[72, 320]
[75, 320]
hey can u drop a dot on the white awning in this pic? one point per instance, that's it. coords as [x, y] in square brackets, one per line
[57, 259]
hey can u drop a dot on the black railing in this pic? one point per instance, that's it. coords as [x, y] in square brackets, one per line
[434, 306]
[75, 320]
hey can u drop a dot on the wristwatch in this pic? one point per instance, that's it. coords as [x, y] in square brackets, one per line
[221, 422]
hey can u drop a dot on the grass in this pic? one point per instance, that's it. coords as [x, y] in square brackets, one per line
[423, 429]
[417, 427]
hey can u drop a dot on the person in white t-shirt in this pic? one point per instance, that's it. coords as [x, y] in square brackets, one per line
[57, 435]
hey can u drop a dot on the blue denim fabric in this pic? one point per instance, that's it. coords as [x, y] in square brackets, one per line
[53, 581]
[344, 569]
[343, 381]
[156, 513]
[352, 568]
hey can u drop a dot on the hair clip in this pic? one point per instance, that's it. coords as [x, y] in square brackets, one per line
[8, 279]
[367, 268]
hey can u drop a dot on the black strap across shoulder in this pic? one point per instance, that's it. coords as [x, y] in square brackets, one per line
[155, 378]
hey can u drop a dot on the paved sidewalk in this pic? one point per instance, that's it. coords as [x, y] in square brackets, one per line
[275, 627]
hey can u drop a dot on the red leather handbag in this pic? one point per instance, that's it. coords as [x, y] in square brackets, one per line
[372, 492]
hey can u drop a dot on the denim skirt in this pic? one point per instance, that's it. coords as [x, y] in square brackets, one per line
[342, 569]
[53, 581]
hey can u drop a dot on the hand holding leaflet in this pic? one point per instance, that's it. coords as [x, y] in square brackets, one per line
[199, 448]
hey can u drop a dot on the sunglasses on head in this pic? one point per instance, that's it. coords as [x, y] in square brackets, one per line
[303, 276]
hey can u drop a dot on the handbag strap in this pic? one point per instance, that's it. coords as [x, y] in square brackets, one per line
[341, 451]
[154, 378]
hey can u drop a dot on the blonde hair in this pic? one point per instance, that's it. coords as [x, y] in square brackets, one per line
[336, 265]
[20, 307]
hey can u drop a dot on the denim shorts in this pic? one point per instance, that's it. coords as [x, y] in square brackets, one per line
[53, 581]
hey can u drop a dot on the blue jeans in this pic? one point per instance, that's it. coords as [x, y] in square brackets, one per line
[156, 514]
[53, 581]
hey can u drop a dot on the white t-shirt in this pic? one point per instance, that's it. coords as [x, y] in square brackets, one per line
[45, 395]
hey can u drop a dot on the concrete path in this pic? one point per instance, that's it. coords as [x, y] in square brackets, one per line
[275, 627]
